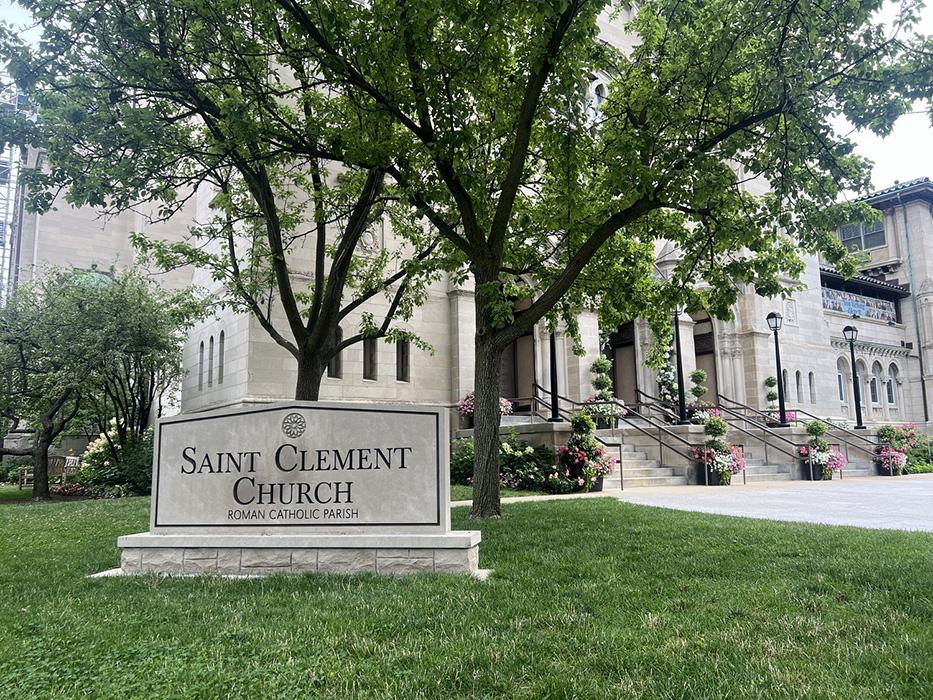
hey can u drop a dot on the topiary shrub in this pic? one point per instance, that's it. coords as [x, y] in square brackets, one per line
[816, 428]
[715, 427]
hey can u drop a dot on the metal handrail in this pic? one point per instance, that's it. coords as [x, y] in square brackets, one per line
[661, 428]
[765, 429]
[793, 453]
[840, 429]
[831, 428]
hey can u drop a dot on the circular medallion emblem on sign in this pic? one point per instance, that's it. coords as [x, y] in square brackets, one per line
[293, 425]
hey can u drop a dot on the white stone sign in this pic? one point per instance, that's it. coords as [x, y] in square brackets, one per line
[294, 487]
[315, 467]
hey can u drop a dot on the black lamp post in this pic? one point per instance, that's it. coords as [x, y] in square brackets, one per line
[775, 320]
[850, 333]
[555, 410]
[681, 400]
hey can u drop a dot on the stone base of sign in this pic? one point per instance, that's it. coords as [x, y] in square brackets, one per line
[260, 555]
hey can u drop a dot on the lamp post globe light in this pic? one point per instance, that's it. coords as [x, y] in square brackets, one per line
[850, 333]
[681, 400]
[775, 321]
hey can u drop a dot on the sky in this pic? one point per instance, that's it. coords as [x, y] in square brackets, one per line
[907, 153]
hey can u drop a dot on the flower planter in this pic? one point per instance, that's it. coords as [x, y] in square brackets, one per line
[814, 473]
[886, 472]
[466, 422]
[713, 478]
[597, 485]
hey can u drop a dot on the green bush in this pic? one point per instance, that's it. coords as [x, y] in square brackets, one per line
[816, 428]
[11, 466]
[461, 461]
[521, 466]
[771, 382]
[601, 365]
[920, 458]
[715, 427]
[131, 469]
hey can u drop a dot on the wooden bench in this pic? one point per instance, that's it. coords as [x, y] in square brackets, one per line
[58, 467]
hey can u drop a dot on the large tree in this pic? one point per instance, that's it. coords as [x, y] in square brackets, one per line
[496, 133]
[148, 103]
[478, 111]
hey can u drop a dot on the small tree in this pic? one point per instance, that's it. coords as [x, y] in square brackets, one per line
[66, 345]
[144, 326]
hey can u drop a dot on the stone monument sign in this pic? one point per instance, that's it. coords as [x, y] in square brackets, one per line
[296, 487]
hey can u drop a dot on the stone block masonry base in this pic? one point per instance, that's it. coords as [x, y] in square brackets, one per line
[260, 555]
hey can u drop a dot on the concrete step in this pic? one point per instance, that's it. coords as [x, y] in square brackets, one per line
[654, 470]
[655, 481]
[761, 476]
[767, 468]
[630, 457]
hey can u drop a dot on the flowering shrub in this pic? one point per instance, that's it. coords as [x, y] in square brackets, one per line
[817, 451]
[466, 406]
[521, 466]
[791, 416]
[602, 404]
[720, 457]
[716, 455]
[667, 383]
[581, 462]
[700, 411]
[837, 461]
[603, 408]
[902, 438]
[128, 466]
[896, 440]
[891, 460]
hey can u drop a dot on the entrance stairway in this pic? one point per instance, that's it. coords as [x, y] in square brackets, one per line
[636, 468]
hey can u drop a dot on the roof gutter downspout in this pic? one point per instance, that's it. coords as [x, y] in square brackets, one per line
[913, 298]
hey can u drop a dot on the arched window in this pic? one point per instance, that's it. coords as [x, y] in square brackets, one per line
[842, 378]
[210, 362]
[892, 385]
[799, 386]
[220, 359]
[335, 364]
[874, 384]
[201, 366]
[812, 381]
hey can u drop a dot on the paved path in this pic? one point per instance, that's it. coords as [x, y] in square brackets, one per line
[901, 503]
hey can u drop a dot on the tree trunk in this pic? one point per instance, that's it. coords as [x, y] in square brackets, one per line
[310, 373]
[40, 470]
[486, 417]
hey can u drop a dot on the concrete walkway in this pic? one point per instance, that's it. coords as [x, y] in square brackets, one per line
[900, 503]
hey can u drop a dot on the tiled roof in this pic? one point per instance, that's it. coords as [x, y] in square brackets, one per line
[919, 183]
[869, 281]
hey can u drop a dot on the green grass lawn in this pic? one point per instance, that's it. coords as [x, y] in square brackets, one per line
[590, 599]
[14, 493]
[460, 492]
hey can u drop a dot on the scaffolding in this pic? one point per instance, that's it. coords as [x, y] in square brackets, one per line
[10, 103]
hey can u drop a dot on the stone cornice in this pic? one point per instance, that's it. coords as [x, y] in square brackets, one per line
[878, 349]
